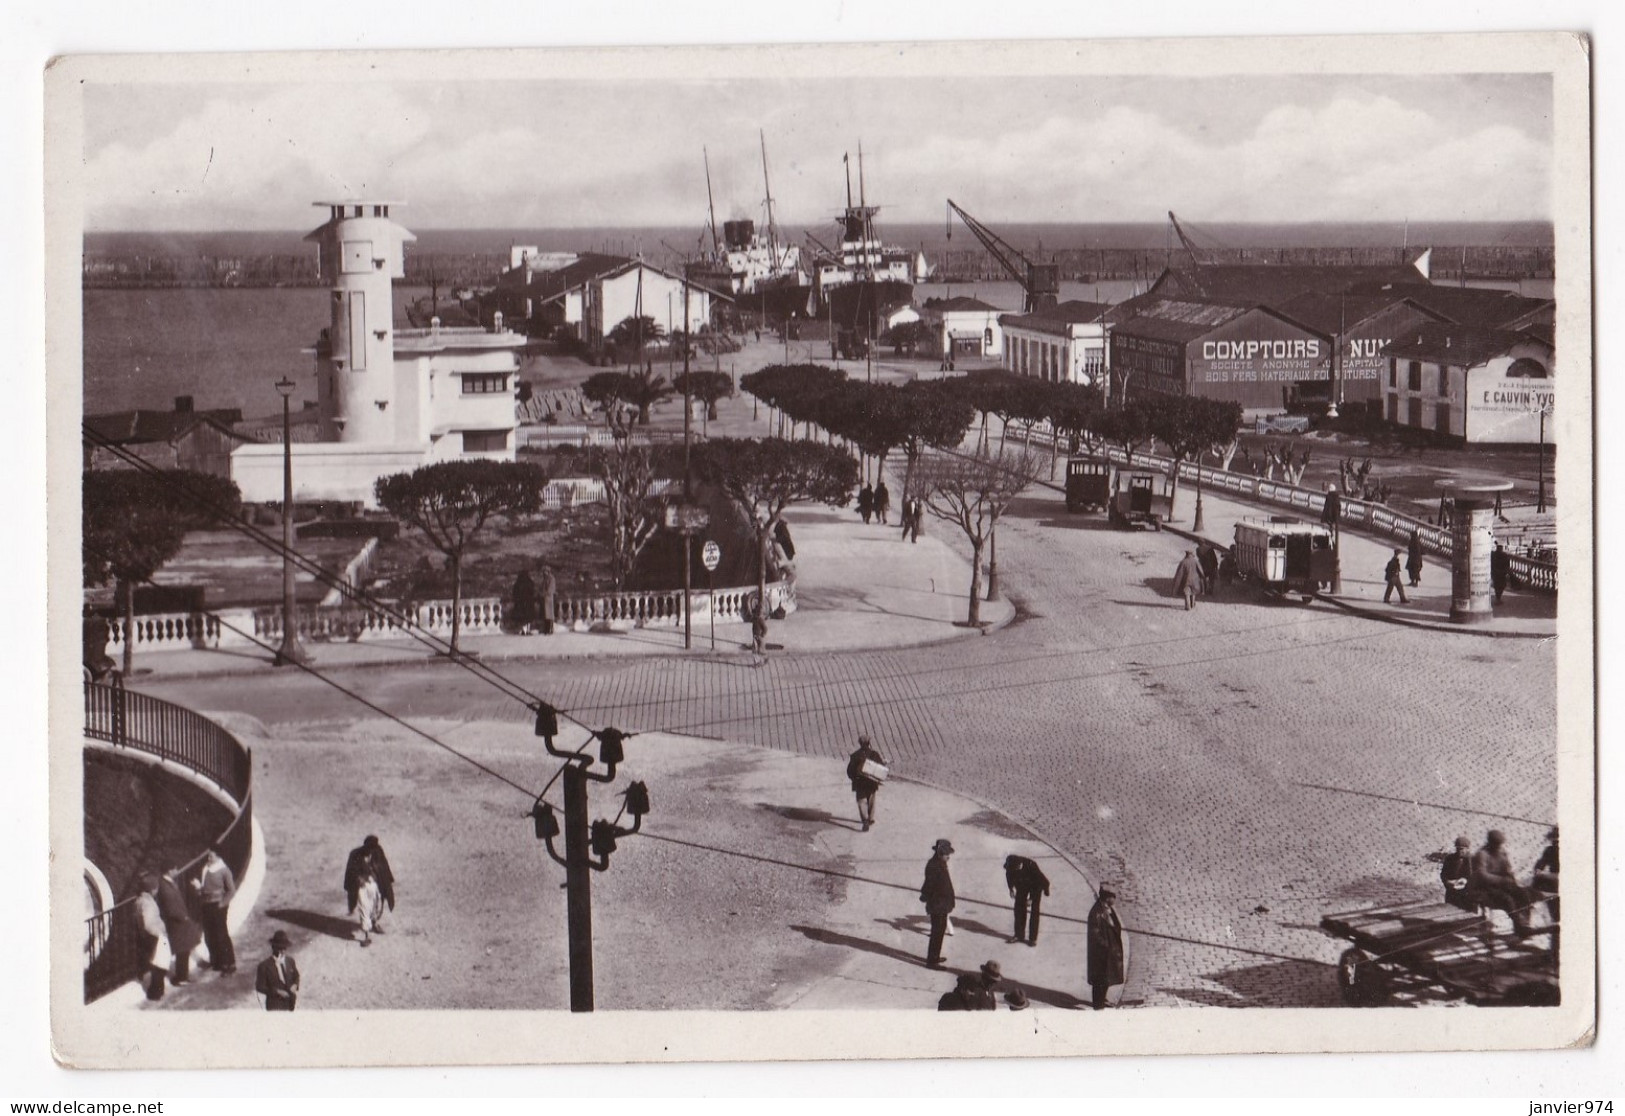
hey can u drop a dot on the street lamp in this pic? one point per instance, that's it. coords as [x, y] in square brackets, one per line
[290, 653]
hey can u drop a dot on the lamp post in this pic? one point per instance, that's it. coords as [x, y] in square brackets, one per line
[290, 653]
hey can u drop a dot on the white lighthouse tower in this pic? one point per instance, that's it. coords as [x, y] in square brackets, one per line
[361, 253]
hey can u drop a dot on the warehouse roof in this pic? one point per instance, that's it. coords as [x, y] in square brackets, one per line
[958, 302]
[1331, 314]
[126, 427]
[1168, 319]
[1273, 284]
[1056, 318]
[1477, 306]
[1455, 344]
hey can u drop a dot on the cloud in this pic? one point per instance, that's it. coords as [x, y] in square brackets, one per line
[590, 153]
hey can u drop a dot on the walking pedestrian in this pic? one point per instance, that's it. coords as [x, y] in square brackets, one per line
[758, 624]
[883, 502]
[369, 885]
[1457, 876]
[1495, 885]
[1331, 509]
[150, 936]
[1207, 557]
[861, 769]
[866, 503]
[182, 931]
[917, 519]
[215, 887]
[937, 893]
[1105, 957]
[1390, 574]
[1413, 558]
[1028, 885]
[1500, 570]
[277, 978]
[1187, 579]
[547, 599]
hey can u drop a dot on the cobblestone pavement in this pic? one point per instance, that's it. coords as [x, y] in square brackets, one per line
[1237, 770]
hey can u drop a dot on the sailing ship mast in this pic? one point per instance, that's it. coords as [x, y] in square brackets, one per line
[711, 203]
[772, 229]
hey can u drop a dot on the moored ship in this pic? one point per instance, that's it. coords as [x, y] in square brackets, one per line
[754, 267]
[854, 286]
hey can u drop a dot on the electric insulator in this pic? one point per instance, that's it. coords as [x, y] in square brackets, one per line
[547, 721]
[611, 748]
[637, 799]
[547, 825]
[602, 839]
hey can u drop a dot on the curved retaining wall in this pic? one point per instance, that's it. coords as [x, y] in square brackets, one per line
[142, 726]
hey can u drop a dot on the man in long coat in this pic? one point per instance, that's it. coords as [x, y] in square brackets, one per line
[1105, 959]
[937, 893]
[1187, 578]
[547, 600]
[372, 851]
[863, 787]
[184, 934]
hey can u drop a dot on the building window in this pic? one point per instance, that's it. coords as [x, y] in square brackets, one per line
[1393, 374]
[1414, 371]
[485, 383]
[1415, 418]
[485, 441]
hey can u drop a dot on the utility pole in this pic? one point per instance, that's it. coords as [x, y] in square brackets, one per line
[291, 653]
[583, 842]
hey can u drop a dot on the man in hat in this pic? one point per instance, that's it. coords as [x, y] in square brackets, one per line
[183, 933]
[937, 893]
[1544, 882]
[1390, 574]
[963, 995]
[1028, 885]
[864, 787]
[150, 934]
[1188, 578]
[1105, 956]
[277, 978]
[1456, 874]
[1495, 885]
[1016, 999]
[987, 988]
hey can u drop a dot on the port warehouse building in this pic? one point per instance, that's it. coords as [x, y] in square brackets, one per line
[1064, 343]
[583, 298]
[1271, 336]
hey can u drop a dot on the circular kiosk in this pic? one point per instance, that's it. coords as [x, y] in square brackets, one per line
[1471, 540]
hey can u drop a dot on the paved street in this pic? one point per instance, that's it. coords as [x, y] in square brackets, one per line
[1236, 770]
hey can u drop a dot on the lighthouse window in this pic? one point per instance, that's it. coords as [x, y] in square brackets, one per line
[485, 383]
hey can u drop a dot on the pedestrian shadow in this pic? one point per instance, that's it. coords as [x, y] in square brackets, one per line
[1276, 984]
[808, 814]
[1158, 605]
[908, 924]
[862, 945]
[330, 925]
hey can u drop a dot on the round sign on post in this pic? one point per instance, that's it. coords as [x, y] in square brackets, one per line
[711, 556]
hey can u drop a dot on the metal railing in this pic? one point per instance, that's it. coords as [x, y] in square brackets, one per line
[142, 723]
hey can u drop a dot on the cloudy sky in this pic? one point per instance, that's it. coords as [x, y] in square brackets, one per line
[586, 153]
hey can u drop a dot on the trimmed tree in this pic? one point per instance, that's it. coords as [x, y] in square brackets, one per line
[1190, 426]
[450, 501]
[1127, 427]
[928, 413]
[765, 477]
[133, 522]
[708, 387]
[971, 492]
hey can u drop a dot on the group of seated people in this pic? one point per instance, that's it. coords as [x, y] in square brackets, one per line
[1473, 881]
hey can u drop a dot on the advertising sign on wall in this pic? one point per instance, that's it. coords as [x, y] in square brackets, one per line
[1508, 408]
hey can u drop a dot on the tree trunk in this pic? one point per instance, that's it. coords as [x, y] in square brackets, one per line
[763, 541]
[126, 594]
[456, 565]
[973, 615]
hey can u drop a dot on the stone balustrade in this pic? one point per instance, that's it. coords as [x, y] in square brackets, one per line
[351, 622]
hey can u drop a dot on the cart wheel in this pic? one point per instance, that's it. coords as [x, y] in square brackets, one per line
[1359, 980]
[1533, 994]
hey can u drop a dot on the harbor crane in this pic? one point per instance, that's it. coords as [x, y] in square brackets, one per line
[1184, 238]
[1040, 283]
